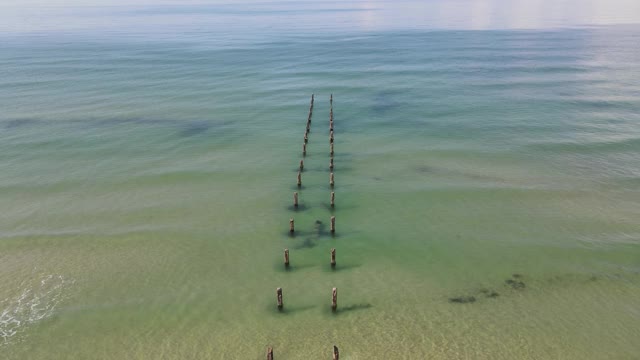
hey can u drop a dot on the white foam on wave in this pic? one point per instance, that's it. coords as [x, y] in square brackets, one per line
[37, 301]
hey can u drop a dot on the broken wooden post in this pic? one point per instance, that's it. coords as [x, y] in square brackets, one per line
[333, 258]
[299, 179]
[334, 299]
[331, 163]
[333, 199]
[304, 149]
[331, 150]
[286, 257]
[333, 224]
[336, 353]
[291, 226]
[301, 165]
[270, 353]
[295, 199]
[331, 179]
[279, 293]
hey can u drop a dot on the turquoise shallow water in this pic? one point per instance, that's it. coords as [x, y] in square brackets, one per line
[148, 171]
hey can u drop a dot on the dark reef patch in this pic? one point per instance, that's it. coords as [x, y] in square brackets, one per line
[462, 299]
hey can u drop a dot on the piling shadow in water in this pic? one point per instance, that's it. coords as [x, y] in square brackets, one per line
[338, 205]
[350, 308]
[291, 268]
[340, 267]
[290, 310]
[300, 207]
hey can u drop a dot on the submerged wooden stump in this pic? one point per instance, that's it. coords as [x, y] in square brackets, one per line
[269, 353]
[333, 199]
[279, 295]
[291, 226]
[336, 353]
[334, 299]
[333, 224]
[295, 199]
[286, 257]
[333, 257]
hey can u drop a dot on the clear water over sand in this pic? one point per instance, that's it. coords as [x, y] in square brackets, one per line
[147, 177]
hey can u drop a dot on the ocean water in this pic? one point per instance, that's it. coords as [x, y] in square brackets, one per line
[487, 182]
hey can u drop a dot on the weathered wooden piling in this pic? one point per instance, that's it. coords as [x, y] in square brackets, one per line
[331, 99]
[333, 258]
[333, 199]
[295, 199]
[331, 136]
[286, 257]
[301, 165]
[270, 353]
[331, 163]
[279, 294]
[304, 149]
[334, 299]
[330, 125]
[306, 137]
[299, 179]
[331, 150]
[331, 182]
[333, 224]
[336, 353]
[291, 226]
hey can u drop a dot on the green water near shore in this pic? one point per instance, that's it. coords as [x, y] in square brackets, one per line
[146, 192]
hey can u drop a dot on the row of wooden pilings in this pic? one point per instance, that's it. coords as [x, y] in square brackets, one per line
[332, 228]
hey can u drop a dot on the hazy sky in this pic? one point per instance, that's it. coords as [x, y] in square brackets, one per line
[357, 15]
